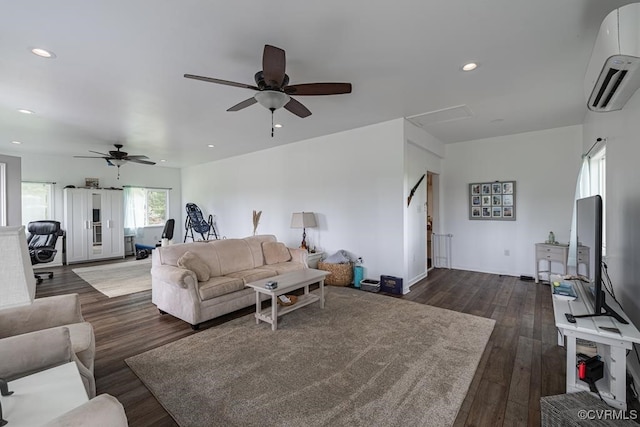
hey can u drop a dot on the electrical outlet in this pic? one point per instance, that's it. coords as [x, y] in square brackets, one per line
[506, 252]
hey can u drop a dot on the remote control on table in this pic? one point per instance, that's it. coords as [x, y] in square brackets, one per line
[570, 318]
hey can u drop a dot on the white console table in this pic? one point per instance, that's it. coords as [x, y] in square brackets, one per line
[43, 396]
[611, 346]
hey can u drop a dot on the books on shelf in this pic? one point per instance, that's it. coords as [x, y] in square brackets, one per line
[564, 290]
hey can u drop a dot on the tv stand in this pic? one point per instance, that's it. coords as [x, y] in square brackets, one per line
[612, 347]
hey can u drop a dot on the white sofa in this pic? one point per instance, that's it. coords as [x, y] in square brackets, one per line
[199, 281]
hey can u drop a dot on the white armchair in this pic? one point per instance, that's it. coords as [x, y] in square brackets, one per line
[21, 314]
[38, 351]
[50, 314]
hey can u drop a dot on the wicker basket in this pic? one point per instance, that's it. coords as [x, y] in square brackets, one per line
[341, 274]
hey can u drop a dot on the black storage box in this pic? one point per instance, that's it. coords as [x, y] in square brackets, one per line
[391, 284]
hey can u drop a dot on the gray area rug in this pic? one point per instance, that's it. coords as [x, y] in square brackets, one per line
[365, 360]
[122, 278]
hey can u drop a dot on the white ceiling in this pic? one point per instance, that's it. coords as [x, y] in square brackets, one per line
[118, 74]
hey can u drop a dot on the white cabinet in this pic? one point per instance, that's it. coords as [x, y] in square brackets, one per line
[94, 222]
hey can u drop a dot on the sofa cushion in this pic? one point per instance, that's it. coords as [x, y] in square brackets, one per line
[234, 255]
[220, 285]
[255, 246]
[193, 262]
[275, 252]
[253, 274]
[285, 267]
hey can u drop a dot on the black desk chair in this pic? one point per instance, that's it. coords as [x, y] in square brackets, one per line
[167, 232]
[41, 240]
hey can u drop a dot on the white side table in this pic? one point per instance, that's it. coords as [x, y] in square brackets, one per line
[43, 396]
[551, 253]
[313, 258]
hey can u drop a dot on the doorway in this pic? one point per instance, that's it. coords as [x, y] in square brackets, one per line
[431, 214]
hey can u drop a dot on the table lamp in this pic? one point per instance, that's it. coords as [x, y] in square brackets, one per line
[17, 281]
[303, 220]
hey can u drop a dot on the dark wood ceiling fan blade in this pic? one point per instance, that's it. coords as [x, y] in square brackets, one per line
[96, 152]
[92, 157]
[297, 108]
[136, 156]
[244, 104]
[318, 89]
[221, 82]
[144, 162]
[273, 65]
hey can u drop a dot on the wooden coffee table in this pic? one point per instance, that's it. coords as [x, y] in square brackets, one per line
[287, 283]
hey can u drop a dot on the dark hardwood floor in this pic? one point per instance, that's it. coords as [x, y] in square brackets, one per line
[520, 364]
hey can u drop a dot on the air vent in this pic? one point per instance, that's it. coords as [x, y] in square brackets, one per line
[616, 83]
[439, 116]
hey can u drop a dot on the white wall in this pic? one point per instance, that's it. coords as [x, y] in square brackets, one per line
[544, 165]
[352, 180]
[422, 153]
[622, 130]
[14, 192]
[70, 171]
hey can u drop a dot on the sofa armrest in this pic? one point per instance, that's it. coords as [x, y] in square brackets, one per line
[101, 411]
[175, 275]
[299, 255]
[25, 354]
[43, 313]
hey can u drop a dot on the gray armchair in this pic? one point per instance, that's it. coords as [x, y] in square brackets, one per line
[49, 314]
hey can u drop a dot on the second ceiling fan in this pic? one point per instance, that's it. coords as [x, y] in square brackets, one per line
[272, 86]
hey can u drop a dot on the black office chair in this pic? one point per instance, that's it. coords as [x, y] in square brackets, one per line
[167, 232]
[41, 240]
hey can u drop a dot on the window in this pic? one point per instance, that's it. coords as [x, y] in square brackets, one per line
[37, 201]
[145, 206]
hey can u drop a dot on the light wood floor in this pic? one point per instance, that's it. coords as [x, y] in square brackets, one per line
[520, 364]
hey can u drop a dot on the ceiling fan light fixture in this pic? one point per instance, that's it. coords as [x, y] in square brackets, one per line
[118, 162]
[272, 99]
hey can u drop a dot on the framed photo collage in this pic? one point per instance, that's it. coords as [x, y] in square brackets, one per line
[494, 201]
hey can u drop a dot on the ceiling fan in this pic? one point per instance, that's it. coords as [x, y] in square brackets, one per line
[272, 86]
[118, 158]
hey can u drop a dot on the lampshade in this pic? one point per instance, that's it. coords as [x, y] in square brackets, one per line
[17, 281]
[303, 220]
[272, 99]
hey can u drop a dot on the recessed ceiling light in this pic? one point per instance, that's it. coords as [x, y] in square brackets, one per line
[43, 53]
[210, 145]
[23, 111]
[277, 125]
[470, 66]
[16, 142]
[162, 160]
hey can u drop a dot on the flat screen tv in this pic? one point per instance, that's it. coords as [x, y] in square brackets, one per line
[589, 234]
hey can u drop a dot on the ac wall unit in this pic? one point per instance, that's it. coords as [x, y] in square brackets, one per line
[613, 73]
